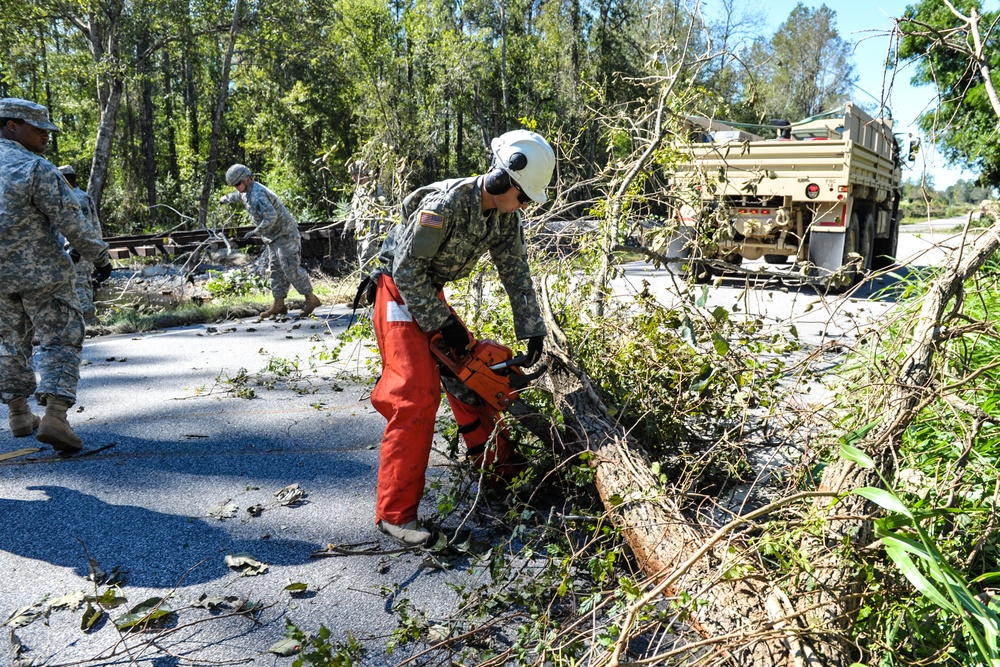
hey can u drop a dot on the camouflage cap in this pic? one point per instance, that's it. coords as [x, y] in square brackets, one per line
[30, 112]
[67, 170]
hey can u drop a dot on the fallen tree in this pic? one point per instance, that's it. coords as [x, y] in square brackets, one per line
[758, 616]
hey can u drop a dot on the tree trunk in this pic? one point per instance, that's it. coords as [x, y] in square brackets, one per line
[110, 102]
[173, 167]
[213, 151]
[146, 127]
[101, 31]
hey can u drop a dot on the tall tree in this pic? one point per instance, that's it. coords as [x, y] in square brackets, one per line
[959, 59]
[806, 68]
[213, 149]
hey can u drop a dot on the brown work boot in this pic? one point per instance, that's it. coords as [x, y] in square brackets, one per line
[55, 430]
[312, 303]
[277, 308]
[22, 421]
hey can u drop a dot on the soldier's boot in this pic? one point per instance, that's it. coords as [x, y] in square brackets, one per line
[277, 308]
[312, 303]
[55, 430]
[22, 421]
[407, 535]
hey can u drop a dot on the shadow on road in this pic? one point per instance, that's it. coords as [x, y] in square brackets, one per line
[142, 541]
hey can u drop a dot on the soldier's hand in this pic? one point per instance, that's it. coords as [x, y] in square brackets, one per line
[74, 255]
[455, 335]
[102, 272]
[249, 235]
[222, 200]
[535, 345]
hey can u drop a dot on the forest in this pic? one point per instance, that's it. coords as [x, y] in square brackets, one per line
[878, 547]
[156, 99]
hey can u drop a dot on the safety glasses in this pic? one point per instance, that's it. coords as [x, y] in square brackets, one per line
[521, 197]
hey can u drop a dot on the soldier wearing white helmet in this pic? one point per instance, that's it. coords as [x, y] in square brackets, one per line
[280, 233]
[444, 229]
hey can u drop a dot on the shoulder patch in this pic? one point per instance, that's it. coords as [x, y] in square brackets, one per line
[431, 219]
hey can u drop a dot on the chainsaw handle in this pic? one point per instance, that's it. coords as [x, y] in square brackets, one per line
[513, 361]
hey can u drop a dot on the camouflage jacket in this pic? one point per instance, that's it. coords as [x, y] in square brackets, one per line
[89, 209]
[270, 217]
[440, 237]
[36, 205]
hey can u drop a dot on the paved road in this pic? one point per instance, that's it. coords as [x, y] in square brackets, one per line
[817, 319]
[168, 445]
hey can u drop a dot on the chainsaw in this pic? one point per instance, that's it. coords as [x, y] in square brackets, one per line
[487, 368]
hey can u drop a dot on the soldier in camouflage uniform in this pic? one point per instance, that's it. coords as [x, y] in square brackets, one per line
[366, 220]
[37, 298]
[444, 229]
[280, 233]
[84, 267]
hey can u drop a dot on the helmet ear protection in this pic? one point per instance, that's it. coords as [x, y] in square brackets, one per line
[498, 181]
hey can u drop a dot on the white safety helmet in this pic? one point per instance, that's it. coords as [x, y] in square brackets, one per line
[237, 173]
[533, 171]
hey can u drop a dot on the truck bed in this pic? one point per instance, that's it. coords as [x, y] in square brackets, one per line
[776, 168]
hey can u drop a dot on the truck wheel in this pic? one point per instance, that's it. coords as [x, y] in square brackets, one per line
[858, 241]
[866, 244]
[884, 252]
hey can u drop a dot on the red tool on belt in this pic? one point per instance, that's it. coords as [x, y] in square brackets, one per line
[488, 368]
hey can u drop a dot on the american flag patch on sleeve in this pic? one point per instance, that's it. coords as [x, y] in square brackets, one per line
[431, 219]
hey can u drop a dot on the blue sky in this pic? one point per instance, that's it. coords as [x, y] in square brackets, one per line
[866, 24]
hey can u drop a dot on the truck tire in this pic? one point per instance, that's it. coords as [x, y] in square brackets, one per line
[859, 238]
[884, 252]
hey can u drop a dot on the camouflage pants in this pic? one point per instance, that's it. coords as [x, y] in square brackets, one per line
[285, 255]
[52, 315]
[85, 286]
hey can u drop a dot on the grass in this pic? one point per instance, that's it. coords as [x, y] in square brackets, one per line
[137, 314]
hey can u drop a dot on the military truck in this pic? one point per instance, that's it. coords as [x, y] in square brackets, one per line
[822, 195]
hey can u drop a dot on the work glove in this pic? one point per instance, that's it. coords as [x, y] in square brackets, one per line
[535, 344]
[74, 255]
[455, 335]
[222, 200]
[102, 272]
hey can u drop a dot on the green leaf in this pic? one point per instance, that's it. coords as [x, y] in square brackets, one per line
[703, 297]
[915, 577]
[720, 343]
[883, 499]
[144, 613]
[855, 455]
[285, 647]
[91, 616]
